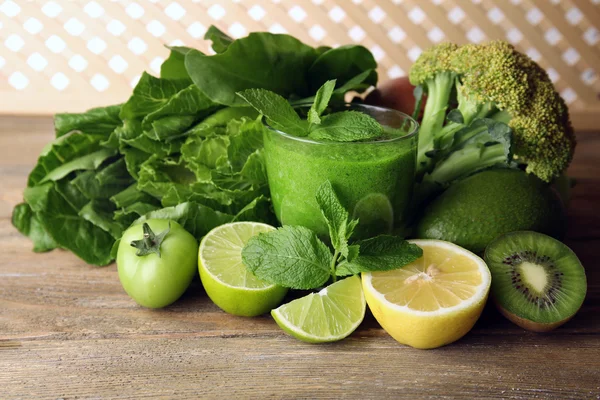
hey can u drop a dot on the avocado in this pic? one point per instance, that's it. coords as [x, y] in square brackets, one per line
[481, 207]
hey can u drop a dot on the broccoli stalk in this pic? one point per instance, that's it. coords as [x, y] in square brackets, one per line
[439, 89]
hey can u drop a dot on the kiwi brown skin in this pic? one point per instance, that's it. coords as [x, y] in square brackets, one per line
[528, 324]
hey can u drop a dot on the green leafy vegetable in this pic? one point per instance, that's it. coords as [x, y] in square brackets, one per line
[97, 121]
[220, 40]
[184, 146]
[174, 66]
[261, 60]
[28, 223]
[343, 63]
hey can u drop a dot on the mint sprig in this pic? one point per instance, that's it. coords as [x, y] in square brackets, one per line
[380, 253]
[337, 218]
[291, 256]
[294, 257]
[321, 102]
[279, 113]
[343, 126]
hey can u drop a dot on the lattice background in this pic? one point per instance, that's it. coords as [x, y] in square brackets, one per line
[72, 55]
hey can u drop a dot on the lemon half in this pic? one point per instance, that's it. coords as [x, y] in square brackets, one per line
[433, 301]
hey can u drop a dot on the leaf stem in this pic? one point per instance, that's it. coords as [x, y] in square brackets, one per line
[333, 265]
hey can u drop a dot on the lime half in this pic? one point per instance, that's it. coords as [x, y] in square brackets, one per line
[329, 315]
[227, 281]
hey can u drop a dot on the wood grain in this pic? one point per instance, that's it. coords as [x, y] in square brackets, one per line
[67, 330]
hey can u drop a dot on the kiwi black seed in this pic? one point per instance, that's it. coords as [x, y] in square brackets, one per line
[537, 282]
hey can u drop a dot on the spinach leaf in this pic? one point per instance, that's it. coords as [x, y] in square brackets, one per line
[342, 63]
[174, 66]
[220, 40]
[28, 223]
[97, 121]
[260, 60]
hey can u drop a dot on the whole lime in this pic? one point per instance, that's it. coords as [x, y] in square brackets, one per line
[477, 209]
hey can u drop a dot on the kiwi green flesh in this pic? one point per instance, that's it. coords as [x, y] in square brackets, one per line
[537, 281]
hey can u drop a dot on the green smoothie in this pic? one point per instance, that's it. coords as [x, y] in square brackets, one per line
[373, 179]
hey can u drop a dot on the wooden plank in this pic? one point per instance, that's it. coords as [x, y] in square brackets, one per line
[191, 366]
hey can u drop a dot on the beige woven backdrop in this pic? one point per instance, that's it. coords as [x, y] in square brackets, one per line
[72, 55]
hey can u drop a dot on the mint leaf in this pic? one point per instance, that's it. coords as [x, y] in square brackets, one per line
[291, 256]
[336, 216]
[321, 101]
[353, 252]
[346, 126]
[279, 112]
[381, 253]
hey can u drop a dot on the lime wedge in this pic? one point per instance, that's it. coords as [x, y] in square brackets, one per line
[329, 315]
[227, 281]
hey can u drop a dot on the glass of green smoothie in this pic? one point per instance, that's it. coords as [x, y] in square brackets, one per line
[373, 179]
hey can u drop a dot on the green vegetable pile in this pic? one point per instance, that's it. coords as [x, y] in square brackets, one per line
[184, 147]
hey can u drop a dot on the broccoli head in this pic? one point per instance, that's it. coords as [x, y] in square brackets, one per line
[488, 105]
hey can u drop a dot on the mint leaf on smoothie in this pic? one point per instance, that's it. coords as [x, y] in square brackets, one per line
[279, 112]
[381, 253]
[340, 229]
[321, 102]
[346, 126]
[291, 256]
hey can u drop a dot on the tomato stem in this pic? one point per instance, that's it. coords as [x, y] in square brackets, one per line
[150, 242]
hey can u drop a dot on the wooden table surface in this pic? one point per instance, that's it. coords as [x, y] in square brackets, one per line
[68, 330]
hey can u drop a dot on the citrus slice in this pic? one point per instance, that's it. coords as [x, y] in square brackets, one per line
[329, 315]
[433, 301]
[227, 281]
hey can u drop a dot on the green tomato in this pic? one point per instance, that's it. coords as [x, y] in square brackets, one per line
[165, 267]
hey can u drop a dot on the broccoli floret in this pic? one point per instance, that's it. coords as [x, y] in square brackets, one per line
[488, 105]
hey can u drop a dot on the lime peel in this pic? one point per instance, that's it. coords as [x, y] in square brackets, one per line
[344, 296]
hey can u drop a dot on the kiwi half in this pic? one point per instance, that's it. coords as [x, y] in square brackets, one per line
[537, 282]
